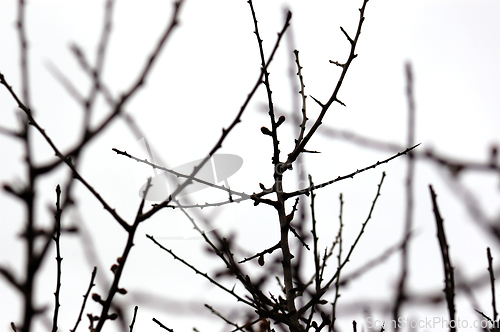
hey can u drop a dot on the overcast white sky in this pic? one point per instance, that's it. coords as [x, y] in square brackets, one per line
[196, 88]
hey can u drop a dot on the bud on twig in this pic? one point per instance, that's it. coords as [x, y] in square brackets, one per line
[266, 131]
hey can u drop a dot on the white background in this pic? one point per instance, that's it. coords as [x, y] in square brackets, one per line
[196, 88]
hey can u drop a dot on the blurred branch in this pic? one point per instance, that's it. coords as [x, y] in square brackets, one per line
[10, 132]
[66, 83]
[473, 207]
[410, 171]
[384, 256]
[21, 28]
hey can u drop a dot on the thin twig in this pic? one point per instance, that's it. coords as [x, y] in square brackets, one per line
[181, 175]
[65, 159]
[85, 297]
[264, 65]
[225, 131]
[334, 97]
[340, 178]
[449, 277]
[205, 275]
[303, 94]
[117, 269]
[492, 282]
[161, 325]
[218, 314]
[339, 262]
[133, 319]
[56, 237]
[326, 287]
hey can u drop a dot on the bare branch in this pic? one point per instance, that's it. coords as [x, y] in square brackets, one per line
[340, 178]
[56, 239]
[85, 297]
[161, 325]
[449, 277]
[133, 319]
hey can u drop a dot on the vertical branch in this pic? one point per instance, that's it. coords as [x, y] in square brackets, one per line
[401, 293]
[492, 282]
[449, 277]
[96, 72]
[24, 51]
[56, 237]
[274, 125]
[85, 297]
[326, 286]
[28, 195]
[133, 319]
[317, 267]
[315, 239]
[278, 182]
[117, 269]
[303, 95]
[292, 156]
[339, 262]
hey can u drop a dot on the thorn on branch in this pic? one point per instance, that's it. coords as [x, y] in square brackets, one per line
[308, 151]
[340, 102]
[318, 102]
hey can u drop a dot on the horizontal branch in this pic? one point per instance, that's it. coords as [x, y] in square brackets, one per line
[350, 175]
[162, 168]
